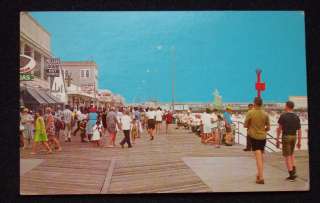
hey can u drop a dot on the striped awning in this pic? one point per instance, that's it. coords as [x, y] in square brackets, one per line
[41, 96]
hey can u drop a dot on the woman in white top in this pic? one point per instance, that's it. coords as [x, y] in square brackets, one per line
[159, 115]
[126, 126]
[151, 115]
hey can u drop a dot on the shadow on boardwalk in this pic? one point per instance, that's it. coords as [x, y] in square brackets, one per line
[177, 162]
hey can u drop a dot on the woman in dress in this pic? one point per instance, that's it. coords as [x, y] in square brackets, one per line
[40, 135]
[50, 129]
[92, 119]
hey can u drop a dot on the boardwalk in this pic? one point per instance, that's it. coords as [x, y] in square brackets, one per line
[173, 163]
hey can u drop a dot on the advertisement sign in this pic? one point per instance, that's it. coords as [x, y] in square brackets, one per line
[26, 76]
[27, 64]
[52, 67]
[89, 88]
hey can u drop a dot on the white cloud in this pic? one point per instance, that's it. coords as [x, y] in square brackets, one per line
[148, 71]
[159, 47]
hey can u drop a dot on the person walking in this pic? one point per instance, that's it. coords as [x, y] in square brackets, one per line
[67, 119]
[50, 129]
[40, 135]
[159, 115]
[112, 124]
[92, 119]
[27, 122]
[134, 130]
[151, 115]
[169, 119]
[258, 124]
[228, 125]
[289, 125]
[137, 117]
[126, 126]
[249, 145]
[96, 133]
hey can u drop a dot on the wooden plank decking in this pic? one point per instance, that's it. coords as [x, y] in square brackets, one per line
[148, 167]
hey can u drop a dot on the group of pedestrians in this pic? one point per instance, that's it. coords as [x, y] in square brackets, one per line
[289, 128]
[38, 129]
[91, 124]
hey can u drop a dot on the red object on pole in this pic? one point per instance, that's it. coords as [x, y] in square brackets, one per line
[260, 86]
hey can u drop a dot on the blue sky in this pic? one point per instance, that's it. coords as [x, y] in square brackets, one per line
[213, 49]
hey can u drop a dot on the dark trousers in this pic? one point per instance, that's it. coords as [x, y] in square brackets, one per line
[126, 138]
[78, 127]
[249, 143]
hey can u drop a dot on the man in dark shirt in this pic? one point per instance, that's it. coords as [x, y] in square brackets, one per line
[289, 125]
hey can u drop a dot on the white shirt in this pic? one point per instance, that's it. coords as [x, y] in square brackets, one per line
[126, 122]
[206, 118]
[158, 115]
[151, 114]
[214, 118]
[67, 114]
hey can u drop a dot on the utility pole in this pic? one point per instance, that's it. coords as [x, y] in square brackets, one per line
[173, 73]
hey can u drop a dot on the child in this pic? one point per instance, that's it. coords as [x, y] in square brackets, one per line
[97, 128]
[134, 130]
[82, 127]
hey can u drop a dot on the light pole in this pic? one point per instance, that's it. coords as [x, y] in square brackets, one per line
[173, 73]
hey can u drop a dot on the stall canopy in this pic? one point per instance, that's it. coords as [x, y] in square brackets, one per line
[39, 96]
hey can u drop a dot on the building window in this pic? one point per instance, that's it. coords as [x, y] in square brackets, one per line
[84, 73]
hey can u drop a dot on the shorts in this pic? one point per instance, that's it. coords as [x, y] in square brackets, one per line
[151, 124]
[159, 121]
[288, 144]
[68, 126]
[257, 144]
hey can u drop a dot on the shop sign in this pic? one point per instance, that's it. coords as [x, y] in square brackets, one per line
[52, 67]
[27, 64]
[26, 76]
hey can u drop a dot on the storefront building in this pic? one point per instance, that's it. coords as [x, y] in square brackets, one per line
[35, 46]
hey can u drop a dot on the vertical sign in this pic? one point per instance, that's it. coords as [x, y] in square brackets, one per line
[52, 67]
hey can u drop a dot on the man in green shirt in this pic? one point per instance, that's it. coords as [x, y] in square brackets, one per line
[258, 124]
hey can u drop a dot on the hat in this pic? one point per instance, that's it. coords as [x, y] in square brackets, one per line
[25, 110]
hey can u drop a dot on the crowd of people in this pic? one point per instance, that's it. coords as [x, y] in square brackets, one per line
[91, 124]
[213, 127]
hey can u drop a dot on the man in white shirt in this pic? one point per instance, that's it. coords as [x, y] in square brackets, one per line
[126, 126]
[206, 125]
[67, 118]
[159, 115]
[151, 116]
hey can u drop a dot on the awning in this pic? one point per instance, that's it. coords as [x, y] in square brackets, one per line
[42, 97]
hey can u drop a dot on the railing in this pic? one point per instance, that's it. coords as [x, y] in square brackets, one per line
[269, 138]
